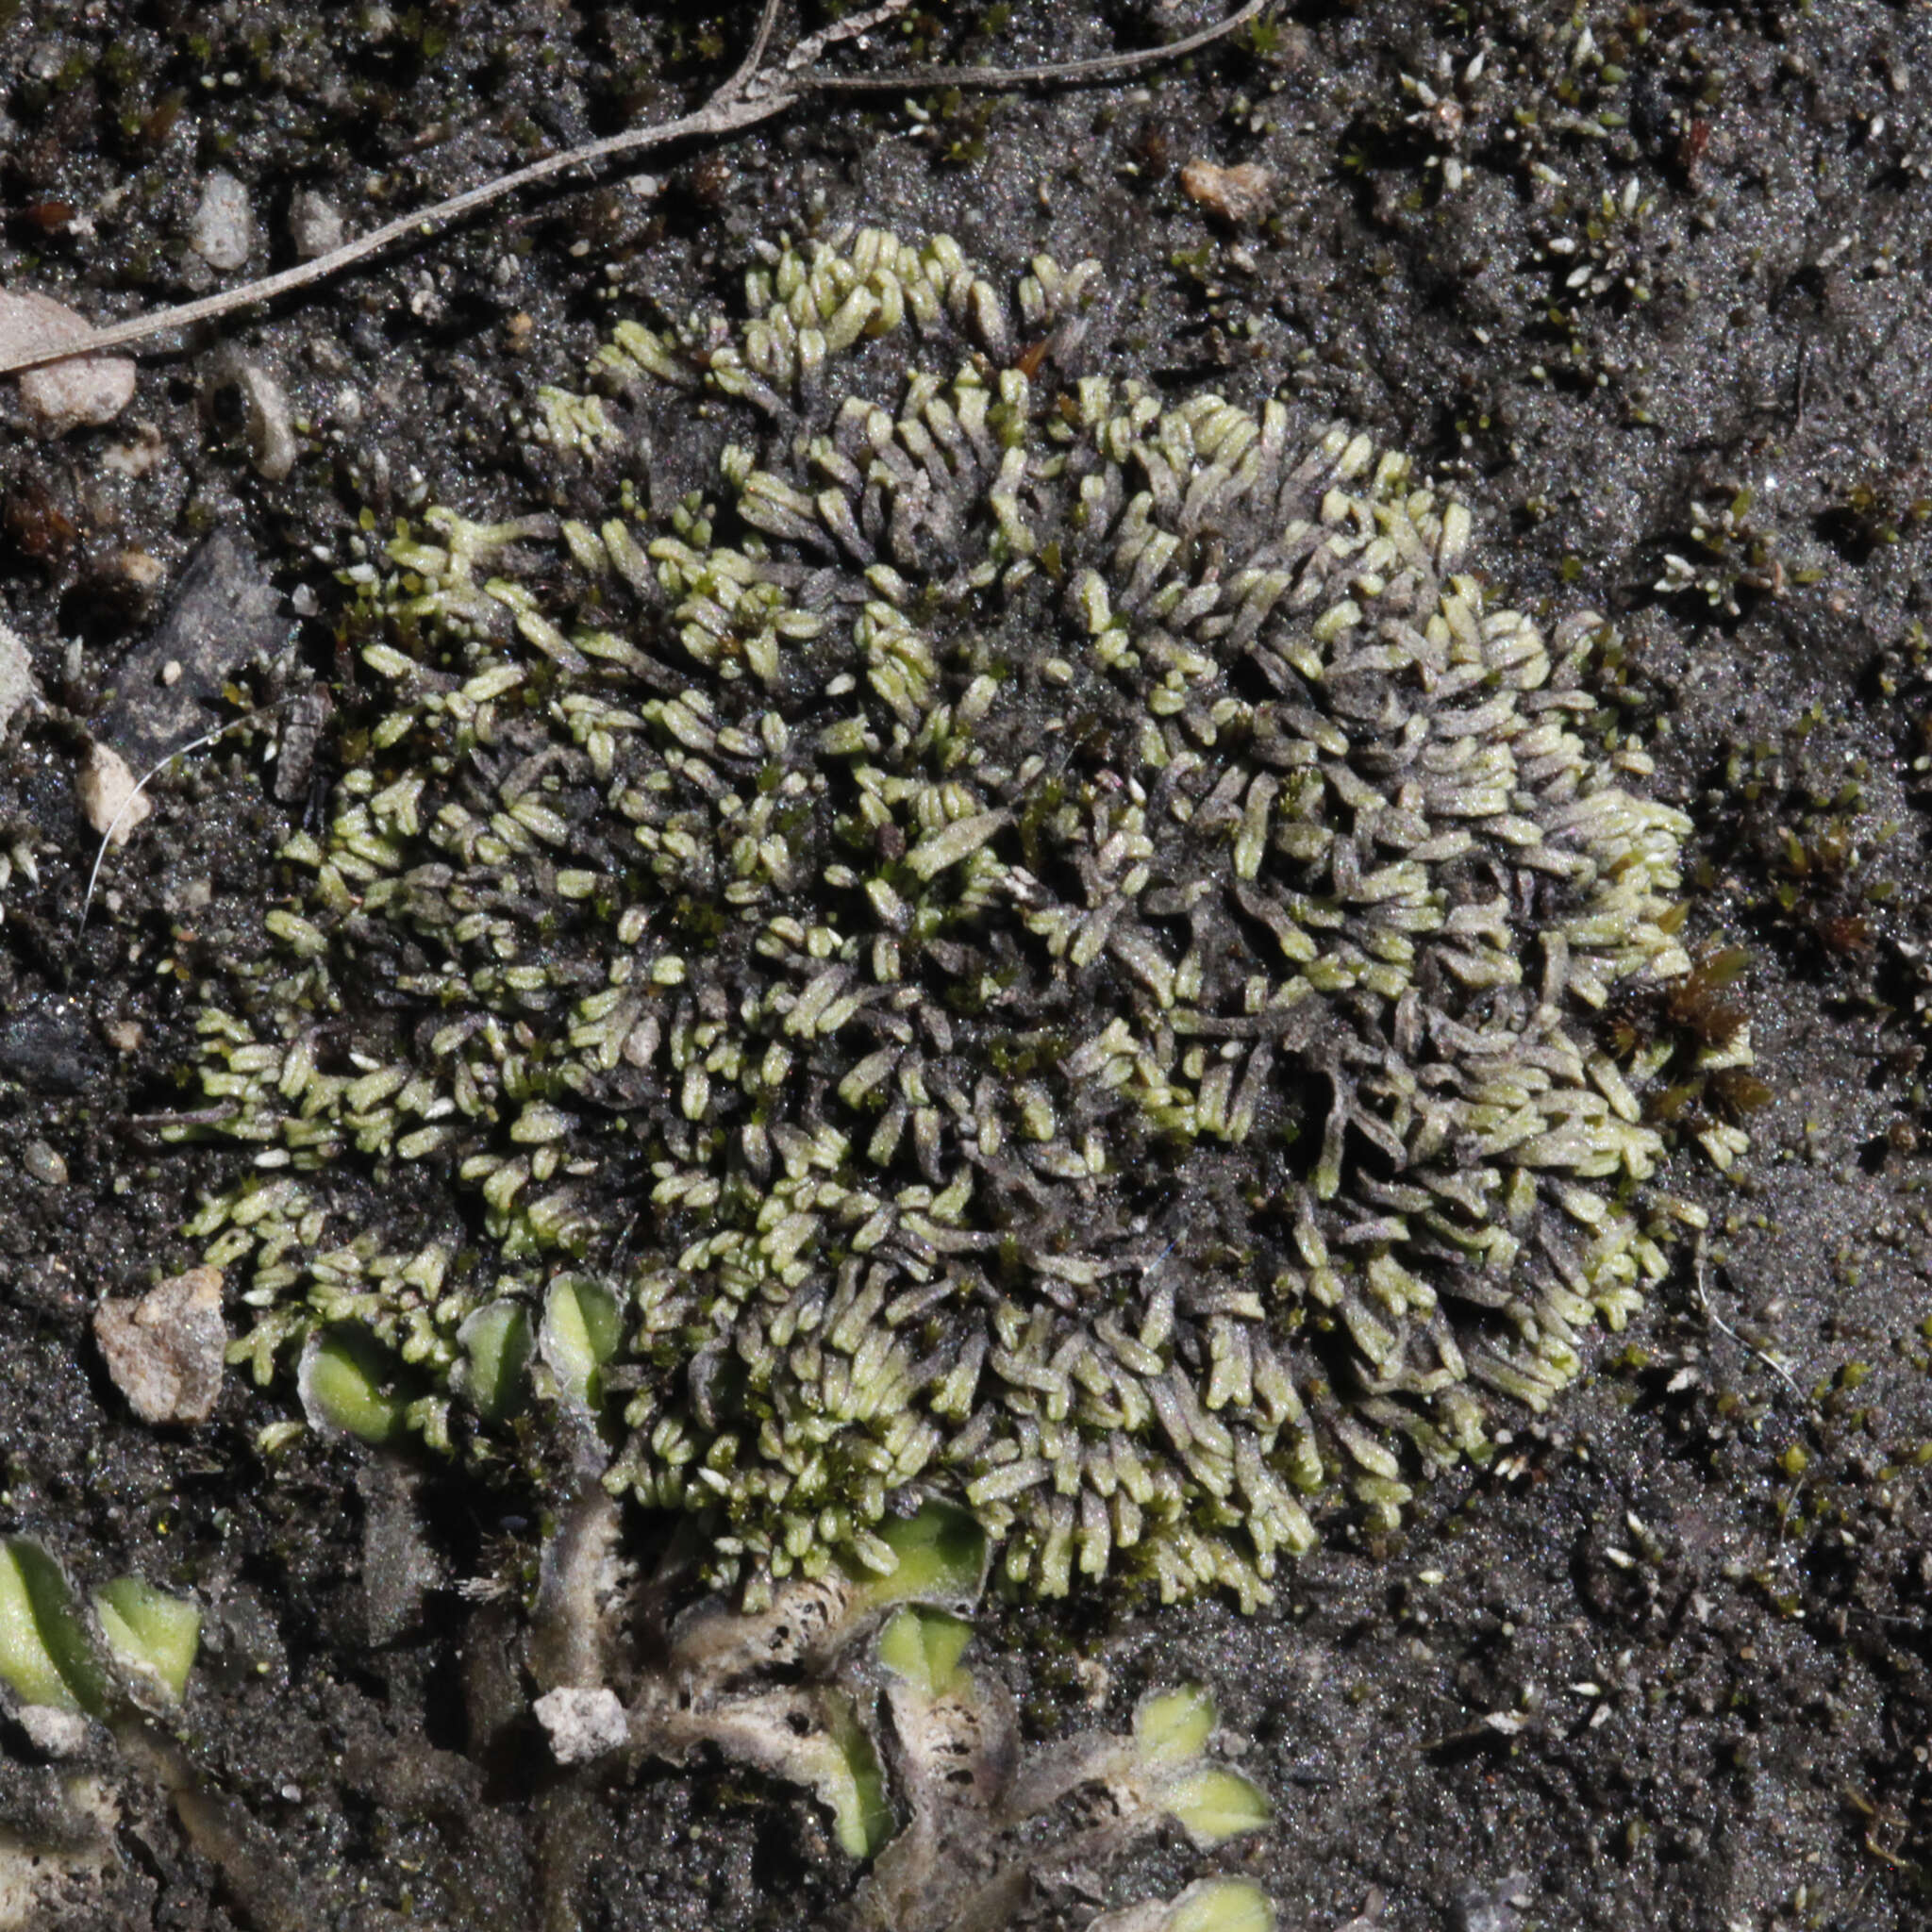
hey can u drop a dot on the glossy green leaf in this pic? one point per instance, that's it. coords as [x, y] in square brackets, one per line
[925, 1647]
[849, 1780]
[349, 1381]
[1213, 1804]
[1174, 1726]
[494, 1370]
[149, 1631]
[941, 1557]
[582, 1326]
[1221, 1905]
[46, 1655]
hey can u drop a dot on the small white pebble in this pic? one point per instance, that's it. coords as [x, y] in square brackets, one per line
[271, 428]
[44, 1164]
[124, 1036]
[59, 396]
[582, 1725]
[54, 1732]
[223, 230]
[138, 457]
[17, 682]
[139, 568]
[315, 225]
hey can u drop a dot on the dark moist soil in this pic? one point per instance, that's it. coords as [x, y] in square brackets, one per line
[1665, 1663]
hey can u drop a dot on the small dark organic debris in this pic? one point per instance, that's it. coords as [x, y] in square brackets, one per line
[224, 612]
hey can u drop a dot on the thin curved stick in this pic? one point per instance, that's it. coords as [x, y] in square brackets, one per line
[715, 117]
[1102, 67]
[740, 102]
[755, 55]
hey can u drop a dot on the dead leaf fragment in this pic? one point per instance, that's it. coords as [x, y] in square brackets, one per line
[165, 1350]
[1238, 195]
[60, 396]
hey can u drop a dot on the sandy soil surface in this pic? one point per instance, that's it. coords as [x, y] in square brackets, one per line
[1646, 284]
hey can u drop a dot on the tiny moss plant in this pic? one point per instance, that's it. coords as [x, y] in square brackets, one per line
[1033, 943]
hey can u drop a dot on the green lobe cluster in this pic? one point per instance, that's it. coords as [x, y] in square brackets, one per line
[1036, 948]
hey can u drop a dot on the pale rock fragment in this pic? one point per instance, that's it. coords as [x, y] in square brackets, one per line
[69, 394]
[141, 570]
[16, 676]
[122, 1035]
[268, 424]
[222, 229]
[52, 1731]
[315, 224]
[108, 796]
[582, 1725]
[137, 457]
[44, 1164]
[165, 1350]
[1236, 194]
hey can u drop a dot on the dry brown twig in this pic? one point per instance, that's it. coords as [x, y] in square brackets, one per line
[754, 92]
